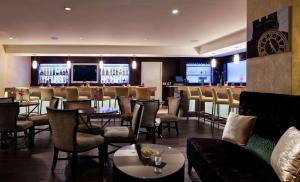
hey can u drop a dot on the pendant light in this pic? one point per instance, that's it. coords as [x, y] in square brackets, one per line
[213, 62]
[69, 63]
[101, 63]
[134, 64]
[34, 64]
[236, 59]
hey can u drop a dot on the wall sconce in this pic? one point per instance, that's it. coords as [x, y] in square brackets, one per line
[213, 62]
[236, 59]
[101, 63]
[34, 64]
[69, 64]
[133, 64]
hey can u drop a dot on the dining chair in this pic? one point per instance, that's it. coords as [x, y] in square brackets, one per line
[123, 134]
[83, 119]
[149, 121]
[9, 123]
[66, 138]
[42, 119]
[125, 109]
[171, 117]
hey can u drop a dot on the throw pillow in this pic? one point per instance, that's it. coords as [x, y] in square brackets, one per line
[238, 128]
[285, 158]
[261, 147]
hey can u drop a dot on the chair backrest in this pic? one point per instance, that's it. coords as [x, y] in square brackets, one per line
[11, 92]
[64, 124]
[230, 96]
[124, 104]
[84, 91]
[122, 91]
[22, 94]
[54, 102]
[188, 92]
[136, 118]
[2, 92]
[6, 100]
[72, 94]
[150, 110]
[47, 93]
[173, 105]
[79, 104]
[96, 93]
[8, 116]
[214, 94]
[142, 93]
[200, 93]
[109, 91]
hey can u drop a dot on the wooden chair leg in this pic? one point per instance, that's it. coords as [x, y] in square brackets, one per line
[55, 156]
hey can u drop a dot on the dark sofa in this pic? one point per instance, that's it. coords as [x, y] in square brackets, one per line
[215, 160]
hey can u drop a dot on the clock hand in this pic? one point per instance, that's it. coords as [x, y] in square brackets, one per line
[271, 45]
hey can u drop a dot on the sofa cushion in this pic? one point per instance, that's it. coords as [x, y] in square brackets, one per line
[262, 147]
[238, 128]
[219, 160]
[285, 158]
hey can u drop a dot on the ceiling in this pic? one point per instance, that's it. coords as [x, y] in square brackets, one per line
[120, 22]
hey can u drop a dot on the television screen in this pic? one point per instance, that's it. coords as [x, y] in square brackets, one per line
[85, 73]
[179, 79]
[198, 73]
[237, 73]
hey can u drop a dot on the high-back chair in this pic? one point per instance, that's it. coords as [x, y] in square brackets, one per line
[142, 93]
[166, 119]
[125, 109]
[191, 97]
[124, 134]
[11, 92]
[72, 94]
[66, 138]
[9, 122]
[85, 124]
[23, 94]
[233, 104]
[96, 94]
[149, 121]
[110, 94]
[216, 107]
[122, 91]
[2, 92]
[202, 100]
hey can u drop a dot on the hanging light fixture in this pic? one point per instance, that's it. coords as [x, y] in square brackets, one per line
[101, 63]
[133, 64]
[34, 64]
[236, 59]
[213, 62]
[69, 63]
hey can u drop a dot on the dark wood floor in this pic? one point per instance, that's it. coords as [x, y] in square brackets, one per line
[34, 165]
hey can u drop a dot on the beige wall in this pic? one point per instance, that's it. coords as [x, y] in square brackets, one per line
[271, 73]
[14, 70]
[296, 48]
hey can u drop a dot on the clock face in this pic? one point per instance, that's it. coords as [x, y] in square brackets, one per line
[272, 42]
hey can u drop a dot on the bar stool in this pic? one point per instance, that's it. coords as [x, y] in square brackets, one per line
[202, 100]
[122, 91]
[47, 93]
[192, 97]
[23, 94]
[216, 106]
[141, 93]
[72, 94]
[110, 92]
[233, 104]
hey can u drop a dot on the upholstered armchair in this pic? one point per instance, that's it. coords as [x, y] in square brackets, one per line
[9, 123]
[166, 119]
[83, 119]
[42, 119]
[124, 134]
[148, 119]
[125, 109]
[66, 138]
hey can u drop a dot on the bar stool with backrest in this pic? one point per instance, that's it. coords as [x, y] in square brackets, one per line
[11, 92]
[72, 94]
[83, 127]
[202, 100]
[9, 123]
[110, 92]
[216, 107]
[47, 93]
[149, 121]
[233, 104]
[122, 91]
[142, 93]
[192, 97]
[66, 138]
[170, 117]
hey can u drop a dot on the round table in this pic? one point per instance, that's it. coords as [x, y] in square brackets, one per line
[129, 167]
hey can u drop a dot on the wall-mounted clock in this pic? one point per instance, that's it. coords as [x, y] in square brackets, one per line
[271, 42]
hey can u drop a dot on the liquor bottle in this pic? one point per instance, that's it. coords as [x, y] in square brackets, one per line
[60, 72]
[53, 71]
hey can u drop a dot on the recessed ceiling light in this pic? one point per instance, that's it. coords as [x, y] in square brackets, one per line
[54, 38]
[10, 38]
[80, 38]
[68, 8]
[175, 11]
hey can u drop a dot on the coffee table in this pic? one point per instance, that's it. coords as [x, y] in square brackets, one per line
[129, 167]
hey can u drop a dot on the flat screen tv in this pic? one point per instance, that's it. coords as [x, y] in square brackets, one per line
[84, 72]
[237, 73]
[179, 79]
[199, 73]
